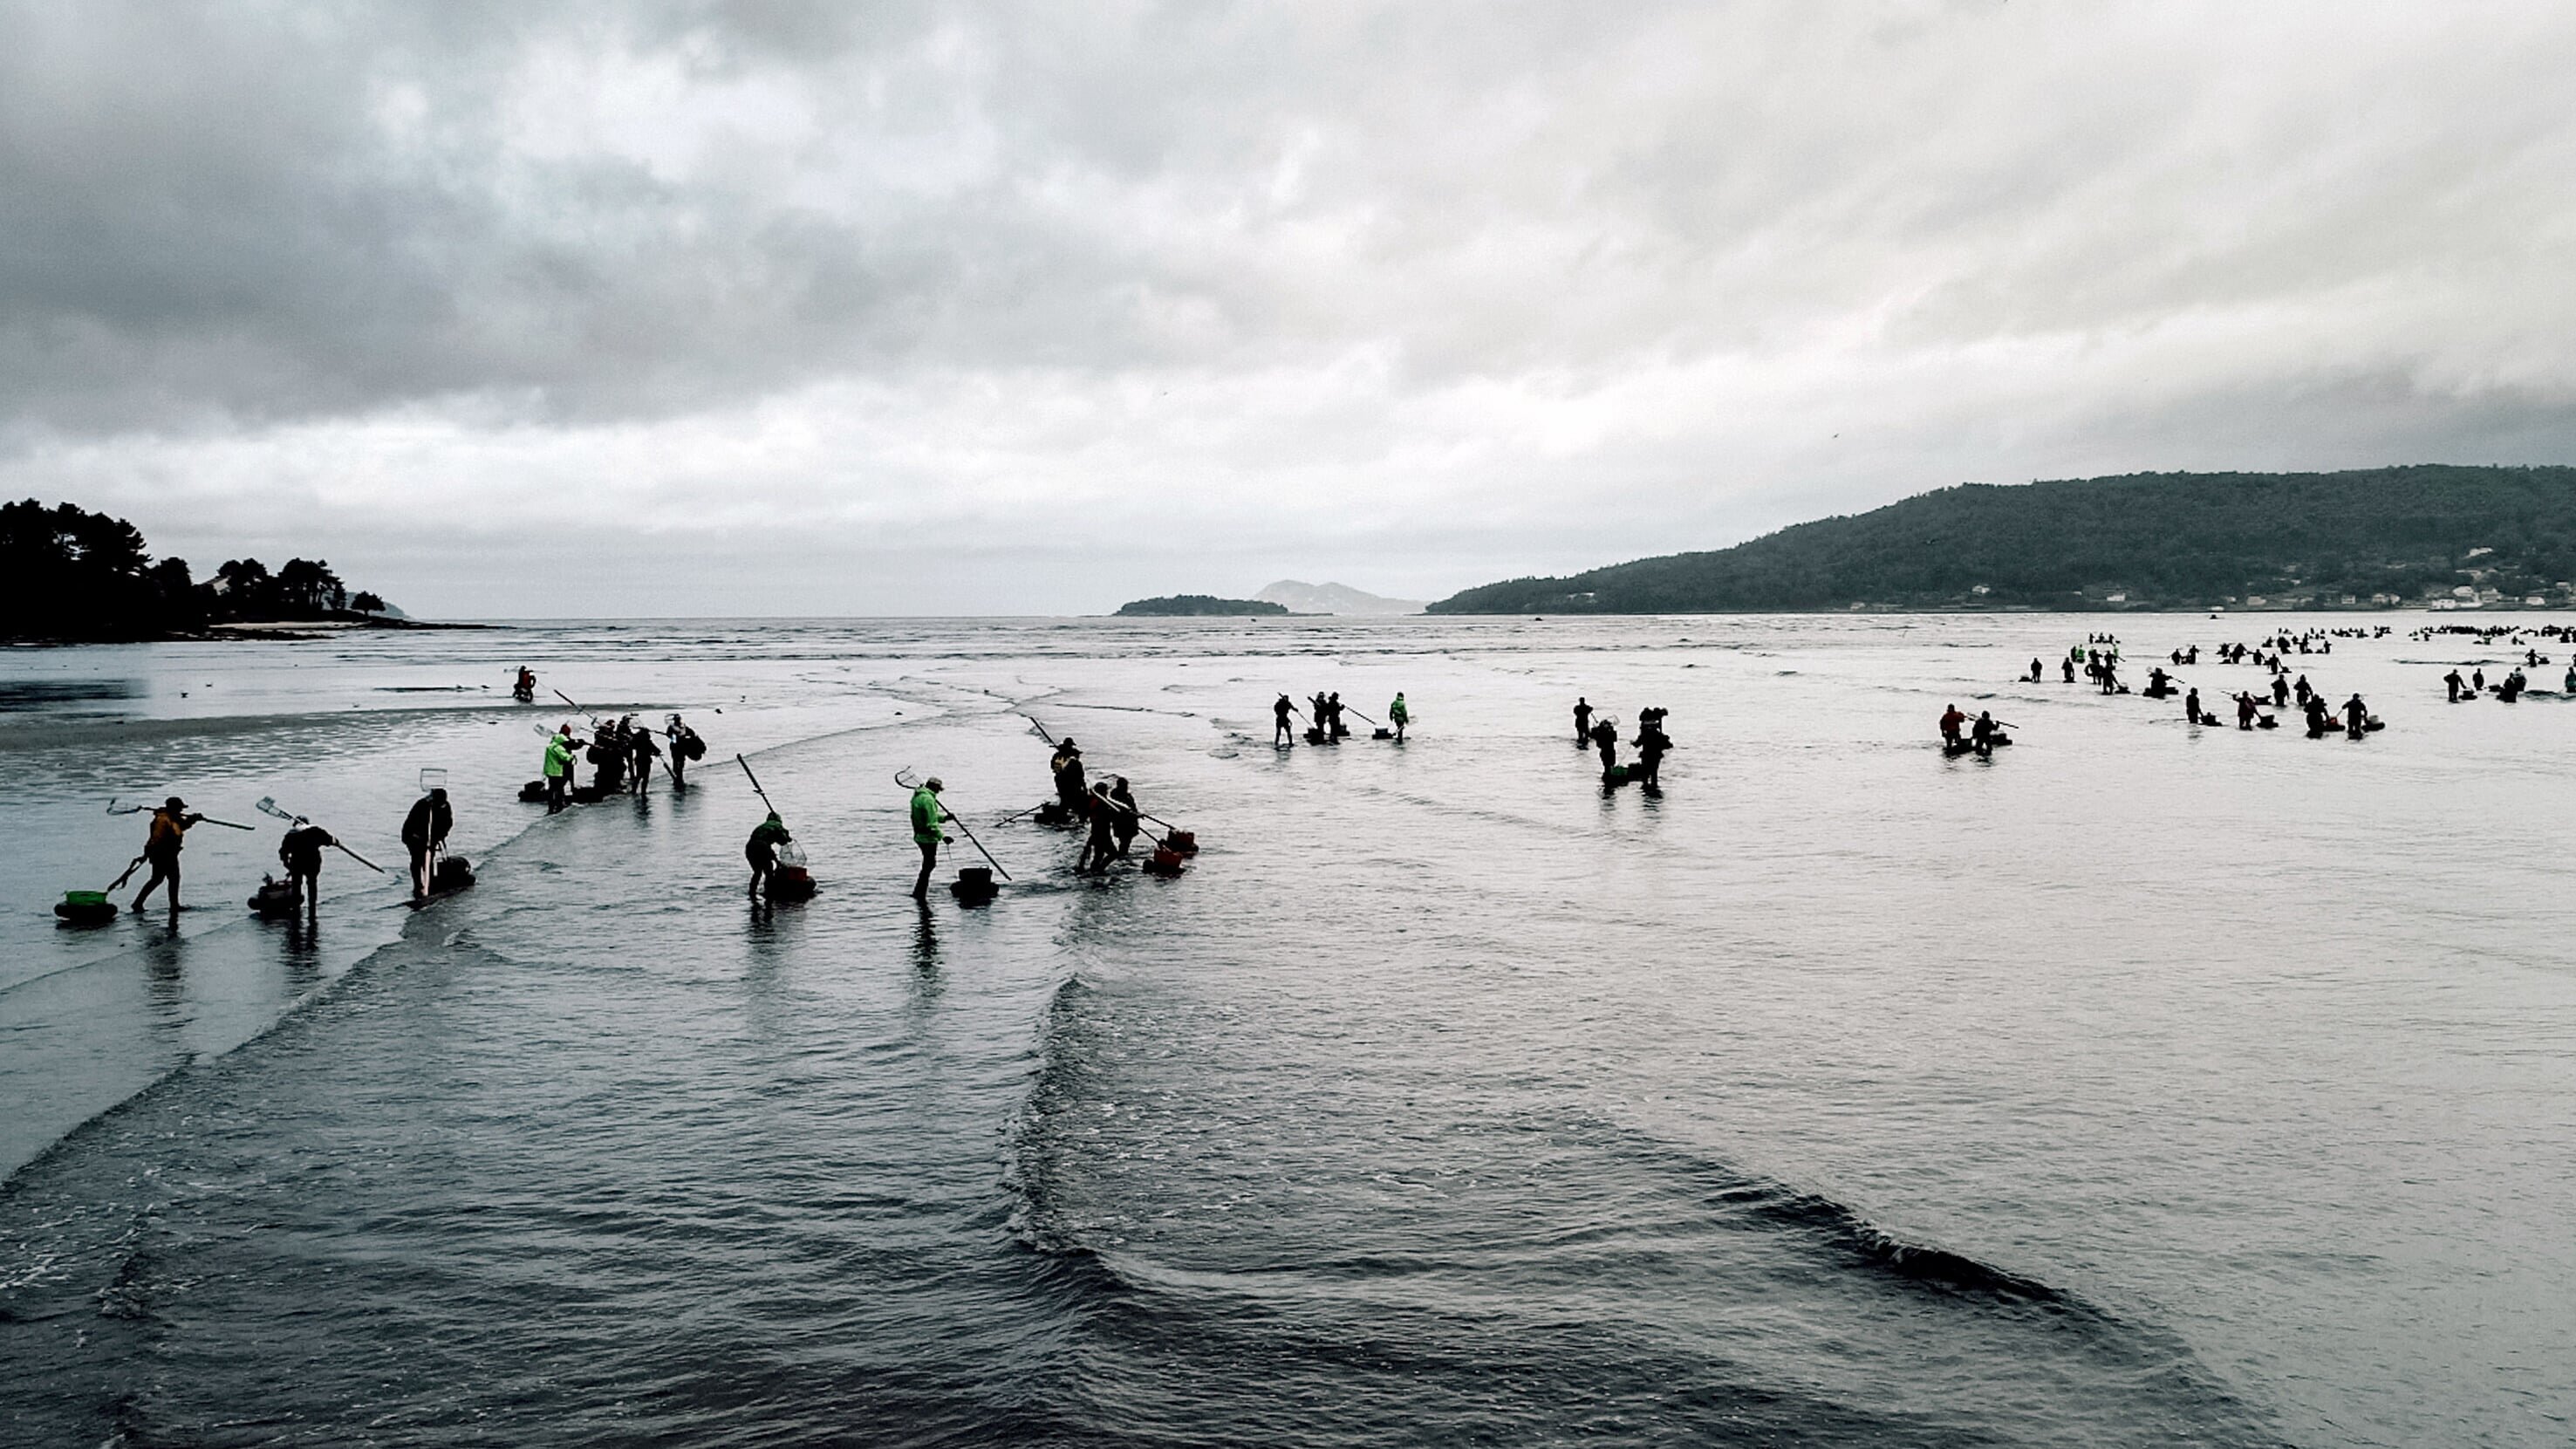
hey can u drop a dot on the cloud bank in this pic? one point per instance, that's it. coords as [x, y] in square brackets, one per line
[789, 308]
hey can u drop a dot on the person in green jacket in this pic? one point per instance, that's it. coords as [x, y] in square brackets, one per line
[1397, 714]
[559, 748]
[762, 849]
[926, 820]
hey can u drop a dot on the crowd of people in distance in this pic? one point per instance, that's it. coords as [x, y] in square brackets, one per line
[1601, 734]
[1327, 726]
[2099, 657]
[621, 755]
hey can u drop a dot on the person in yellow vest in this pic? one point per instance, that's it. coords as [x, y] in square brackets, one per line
[169, 831]
[559, 748]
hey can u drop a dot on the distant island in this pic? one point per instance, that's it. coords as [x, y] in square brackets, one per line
[1182, 606]
[1305, 598]
[72, 576]
[2374, 538]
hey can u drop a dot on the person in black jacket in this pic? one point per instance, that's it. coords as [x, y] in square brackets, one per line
[301, 853]
[424, 833]
[641, 752]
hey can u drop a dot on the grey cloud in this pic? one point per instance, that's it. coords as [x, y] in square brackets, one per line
[1490, 284]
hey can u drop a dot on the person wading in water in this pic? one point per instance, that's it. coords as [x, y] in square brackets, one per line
[169, 831]
[300, 851]
[1652, 742]
[927, 817]
[1069, 786]
[424, 832]
[762, 849]
[559, 753]
[1101, 844]
[1127, 819]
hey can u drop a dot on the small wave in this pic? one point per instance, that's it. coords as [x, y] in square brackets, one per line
[1866, 1243]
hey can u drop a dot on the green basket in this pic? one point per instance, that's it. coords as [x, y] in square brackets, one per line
[84, 898]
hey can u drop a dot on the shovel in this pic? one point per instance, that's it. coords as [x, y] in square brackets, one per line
[268, 806]
[899, 778]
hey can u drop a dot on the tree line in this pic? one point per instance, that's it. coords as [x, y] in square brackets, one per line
[67, 573]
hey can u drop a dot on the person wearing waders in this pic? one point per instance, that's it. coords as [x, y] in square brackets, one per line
[1951, 721]
[679, 735]
[608, 760]
[301, 853]
[2066, 669]
[1101, 844]
[559, 750]
[762, 849]
[927, 817]
[1070, 790]
[2452, 682]
[2191, 706]
[424, 833]
[1397, 714]
[641, 752]
[1605, 738]
[169, 830]
[1127, 819]
[1982, 734]
[2356, 718]
[1651, 744]
[1333, 703]
[1582, 719]
[1281, 732]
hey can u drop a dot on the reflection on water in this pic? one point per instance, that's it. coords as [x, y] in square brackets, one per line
[2144, 1084]
[29, 694]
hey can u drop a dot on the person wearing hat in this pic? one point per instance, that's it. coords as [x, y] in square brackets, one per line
[762, 849]
[927, 817]
[169, 828]
[1397, 714]
[424, 833]
[641, 752]
[1071, 789]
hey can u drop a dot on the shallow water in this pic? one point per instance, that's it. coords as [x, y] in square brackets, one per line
[2147, 1083]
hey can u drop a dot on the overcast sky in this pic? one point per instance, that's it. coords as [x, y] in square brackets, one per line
[528, 309]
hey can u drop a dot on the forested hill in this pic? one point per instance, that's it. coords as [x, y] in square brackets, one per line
[2147, 540]
[69, 574]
